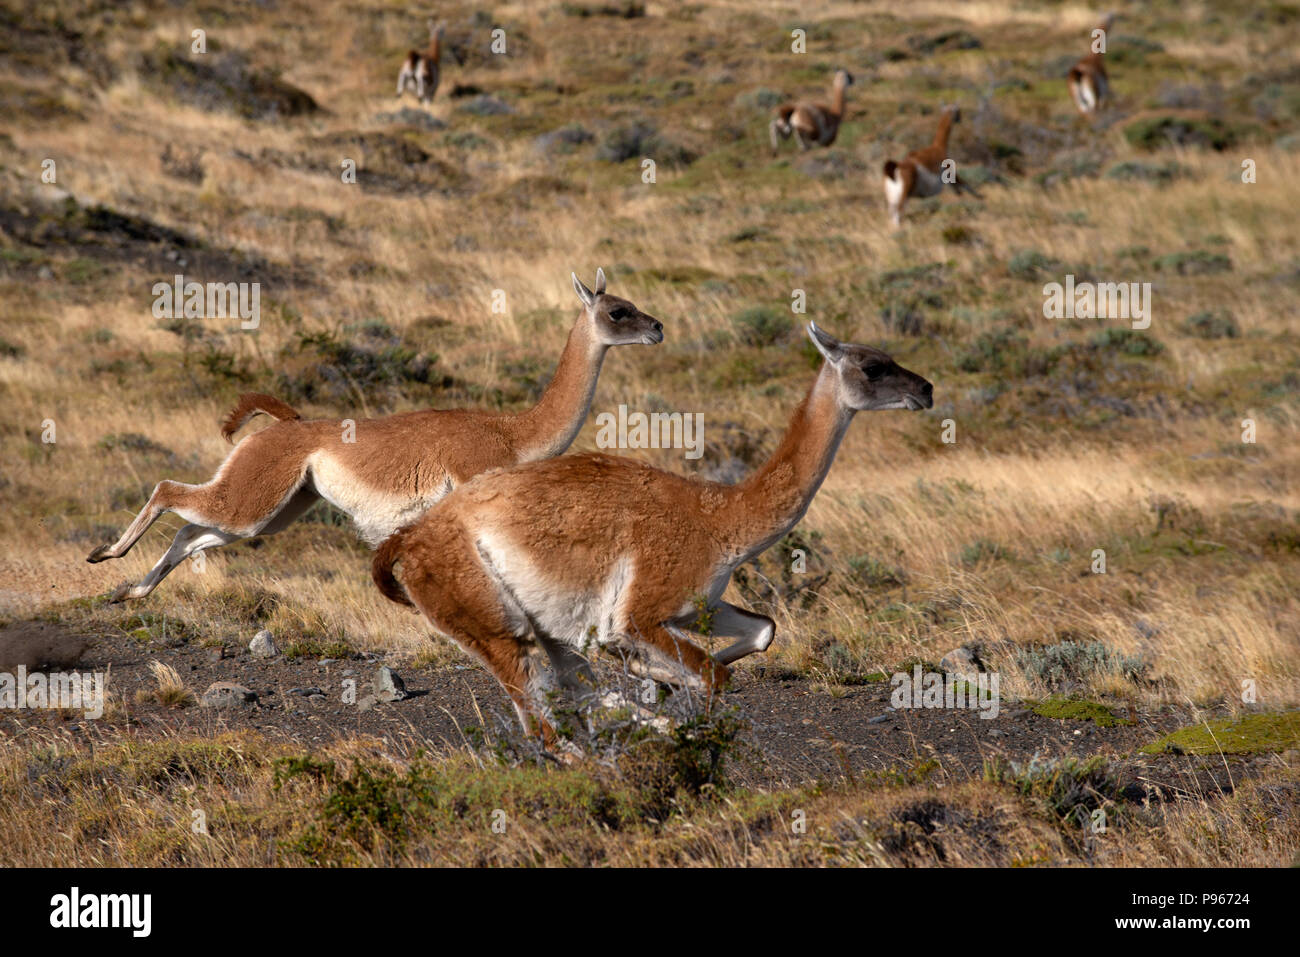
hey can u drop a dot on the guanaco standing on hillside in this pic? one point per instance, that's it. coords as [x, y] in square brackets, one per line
[812, 123]
[382, 472]
[421, 68]
[590, 551]
[1087, 79]
[922, 172]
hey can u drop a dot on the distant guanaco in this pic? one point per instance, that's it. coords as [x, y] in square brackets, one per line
[595, 551]
[1087, 80]
[812, 123]
[382, 472]
[421, 68]
[921, 173]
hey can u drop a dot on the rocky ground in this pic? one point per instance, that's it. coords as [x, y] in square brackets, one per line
[797, 730]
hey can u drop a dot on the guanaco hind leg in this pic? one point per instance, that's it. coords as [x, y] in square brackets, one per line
[663, 653]
[194, 537]
[466, 603]
[190, 539]
[248, 496]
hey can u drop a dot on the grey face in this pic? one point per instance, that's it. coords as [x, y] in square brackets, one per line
[617, 322]
[869, 380]
[621, 323]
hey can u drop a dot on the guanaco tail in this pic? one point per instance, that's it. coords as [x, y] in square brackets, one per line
[382, 472]
[555, 559]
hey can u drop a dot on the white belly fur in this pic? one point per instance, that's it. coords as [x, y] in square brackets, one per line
[581, 619]
[377, 514]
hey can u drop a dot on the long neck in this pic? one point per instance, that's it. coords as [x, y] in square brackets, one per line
[771, 501]
[941, 134]
[434, 52]
[837, 98]
[550, 427]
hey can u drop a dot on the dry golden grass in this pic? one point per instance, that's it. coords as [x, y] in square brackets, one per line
[238, 800]
[1034, 486]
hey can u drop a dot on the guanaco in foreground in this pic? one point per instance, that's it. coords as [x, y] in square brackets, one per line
[594, 551]
[382, 472]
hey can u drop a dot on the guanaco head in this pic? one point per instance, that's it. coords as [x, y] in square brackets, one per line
[868, 380]
[615, 321]
[843, 78]
[954, 111]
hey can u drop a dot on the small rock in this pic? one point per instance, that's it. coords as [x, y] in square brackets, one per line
[389, 686]
[366, 702]
[963, 664]
[216, 654]
[879, 719]
[306, 692]
[327, 661]
[263, 645]
[227, 694]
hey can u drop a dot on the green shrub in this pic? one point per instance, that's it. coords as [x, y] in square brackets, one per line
[1076, 661]
[1131, 342]
[1212, 324]
[1030, 264]
[981, 551]
[1152, 133]
[762, 325]
[1196, 262]
[1069, 788]
[1134, 170]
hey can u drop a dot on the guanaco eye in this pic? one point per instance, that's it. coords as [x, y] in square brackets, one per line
[618, 314]
[875, 371]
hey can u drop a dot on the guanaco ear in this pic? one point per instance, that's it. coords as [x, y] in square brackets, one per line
[585, 294]
[826, 344]
[600, 282]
